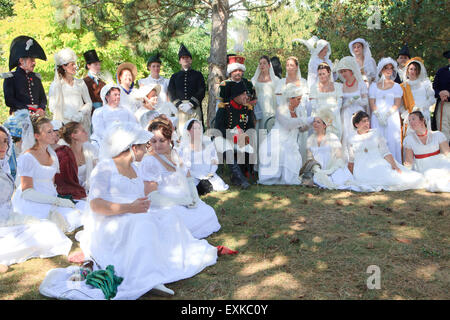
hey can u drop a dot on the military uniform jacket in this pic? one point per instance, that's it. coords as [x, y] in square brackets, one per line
[225, 90]
[22, 89]
[187, 85]
[230, 115]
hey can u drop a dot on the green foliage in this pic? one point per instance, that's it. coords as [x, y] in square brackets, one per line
[6, 8]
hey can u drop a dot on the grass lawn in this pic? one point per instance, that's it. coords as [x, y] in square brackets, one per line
[306, 243]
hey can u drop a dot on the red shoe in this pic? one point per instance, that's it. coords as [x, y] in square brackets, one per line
[221, 250]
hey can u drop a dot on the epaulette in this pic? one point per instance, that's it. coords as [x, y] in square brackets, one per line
[222, 104]
[6, 75]
[223, 83]
[38, 75]
[249, 106]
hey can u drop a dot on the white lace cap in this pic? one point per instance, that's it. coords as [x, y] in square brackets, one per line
[65, 56]
[423, 75]
[5, 160]
[349, 63]
[382, 63]
[292, 91]
[120, 137]
[105, 91]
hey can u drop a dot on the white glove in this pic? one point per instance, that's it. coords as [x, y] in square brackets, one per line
[186, 107]
[315, 168]
[382, 120]
[163, 201]
[405, 115]
[35, 196]
[194, 193]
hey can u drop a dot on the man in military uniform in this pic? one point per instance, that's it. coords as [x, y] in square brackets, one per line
[93, 83]
[235, 70]
[23, 88]
[233, 119]
[187, 89]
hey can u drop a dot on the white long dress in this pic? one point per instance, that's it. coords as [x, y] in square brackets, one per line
[280, 158]
[43, 182]
[352, 102]
[435, 168]
[127, 101]
[105, 116]
[371, 170]
[267, 102]
[200, 165]
[423, 94]
[330, 155]
[146, 249]
[76, 104]
[201, 221]
[23, 237]
[384, 100]
[331, 101]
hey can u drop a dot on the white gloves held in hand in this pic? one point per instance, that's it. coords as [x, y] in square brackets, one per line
[186, 107]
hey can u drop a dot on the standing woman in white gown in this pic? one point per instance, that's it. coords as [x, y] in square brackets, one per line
[360, 50]
[293, 75]
[36, 194]
[418, 93]
[320, 51]
[169, 184]
[355, 94]
[280, 155]
[126, 76]
[327, 94]
[428, 152]
[69, 98]
[385, 98]
[23, 237]
[372, 164]
[265, 82]
[148, 248]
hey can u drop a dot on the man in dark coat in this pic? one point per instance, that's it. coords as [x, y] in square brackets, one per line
[235, 70]
[402, 57]
[233, 120]
[92, 80]
[23, 88]
[441, 86]
[187, 89]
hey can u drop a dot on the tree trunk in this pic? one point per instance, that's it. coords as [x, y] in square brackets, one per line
[218, 54]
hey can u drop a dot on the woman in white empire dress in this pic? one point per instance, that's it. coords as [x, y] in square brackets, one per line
[327, 94]
[23, 237]
[69, 98]
[265, 82]
[126, 76]
[36, 193]
[325, 148]
[112, 112]
[199, 155]
[418, 93]
[360, 50]
[372, 164]
[148, 248]
[280, 158]
[384, 100]
[320, 51]
[354, 94]
[428, 152]
[169, 184]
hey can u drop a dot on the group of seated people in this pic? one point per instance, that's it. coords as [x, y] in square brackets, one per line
[134, 184]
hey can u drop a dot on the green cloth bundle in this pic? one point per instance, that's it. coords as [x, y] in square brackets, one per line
[105, 280]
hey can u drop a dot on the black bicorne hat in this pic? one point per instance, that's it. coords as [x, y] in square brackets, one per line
[91, 57]
[404, 51]
[237, 89]
[24, 47]
[184, 52]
